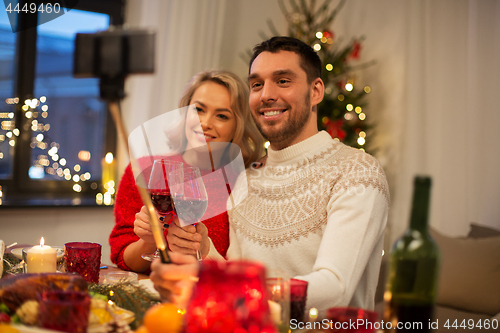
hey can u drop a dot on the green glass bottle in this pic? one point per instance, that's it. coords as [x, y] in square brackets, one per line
[412, 285]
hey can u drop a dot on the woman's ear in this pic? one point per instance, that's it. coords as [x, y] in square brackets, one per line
[317, 91]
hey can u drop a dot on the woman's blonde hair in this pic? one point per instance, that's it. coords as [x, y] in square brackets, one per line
[246, 134]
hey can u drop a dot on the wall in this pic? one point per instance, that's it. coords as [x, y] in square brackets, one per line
[57, 226]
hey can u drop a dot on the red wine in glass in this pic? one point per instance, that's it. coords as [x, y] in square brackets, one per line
[163, 203]
[160, 192]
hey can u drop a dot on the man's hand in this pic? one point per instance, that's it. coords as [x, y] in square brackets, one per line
[175, 282]
[188, 239]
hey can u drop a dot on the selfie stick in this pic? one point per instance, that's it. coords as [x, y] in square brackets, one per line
[112, 55]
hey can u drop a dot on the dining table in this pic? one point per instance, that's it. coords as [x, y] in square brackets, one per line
[105, 268]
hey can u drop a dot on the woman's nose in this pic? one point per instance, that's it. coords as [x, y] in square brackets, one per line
[205, 121]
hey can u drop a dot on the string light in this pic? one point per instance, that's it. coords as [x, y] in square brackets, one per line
[348, 116]
[109, 158]
[99, 198]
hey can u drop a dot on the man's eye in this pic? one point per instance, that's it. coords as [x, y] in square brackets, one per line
[283, 81]
[256, 85]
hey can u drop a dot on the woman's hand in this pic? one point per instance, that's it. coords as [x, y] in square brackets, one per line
[175, 282]
[188, 239]
[142, 226]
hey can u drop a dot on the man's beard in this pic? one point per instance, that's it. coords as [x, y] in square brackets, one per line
[293, 126]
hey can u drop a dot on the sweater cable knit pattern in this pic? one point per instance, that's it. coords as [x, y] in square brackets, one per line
[290, 203]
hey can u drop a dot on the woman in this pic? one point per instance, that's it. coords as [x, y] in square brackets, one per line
[220, 99]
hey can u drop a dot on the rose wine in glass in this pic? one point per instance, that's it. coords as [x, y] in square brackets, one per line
[160, 193]
[189, 196]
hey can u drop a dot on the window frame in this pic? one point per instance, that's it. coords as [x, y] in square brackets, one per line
[20, 190]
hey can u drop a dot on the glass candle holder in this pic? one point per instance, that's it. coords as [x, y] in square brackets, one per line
[40, 261]
[229, 297]
[298, 298]
[278, 288]
[66, 311]
[351, 320]
[83, 258]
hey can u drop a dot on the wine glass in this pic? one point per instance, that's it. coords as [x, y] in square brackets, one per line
[189, 196]
[160, 193]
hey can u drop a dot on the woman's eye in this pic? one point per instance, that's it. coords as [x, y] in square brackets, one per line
[198, 109]
[222, 116]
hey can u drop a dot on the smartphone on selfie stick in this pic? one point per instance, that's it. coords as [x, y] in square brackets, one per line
[111, 56]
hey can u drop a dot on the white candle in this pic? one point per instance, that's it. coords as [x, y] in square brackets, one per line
[41, 259]
[275, 310]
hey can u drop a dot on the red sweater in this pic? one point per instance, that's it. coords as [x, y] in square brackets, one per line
[128, 202]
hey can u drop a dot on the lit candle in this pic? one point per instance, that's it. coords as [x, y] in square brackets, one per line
[41, 258]
[275, 311]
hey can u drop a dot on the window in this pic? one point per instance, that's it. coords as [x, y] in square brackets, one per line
[55, 132]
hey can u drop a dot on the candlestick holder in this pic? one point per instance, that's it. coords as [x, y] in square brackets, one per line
[83, 258]
[229, 297]
[66, 311]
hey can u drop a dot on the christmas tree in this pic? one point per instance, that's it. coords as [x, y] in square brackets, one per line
[342, 111]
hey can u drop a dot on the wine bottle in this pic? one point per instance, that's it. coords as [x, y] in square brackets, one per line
[411, 290]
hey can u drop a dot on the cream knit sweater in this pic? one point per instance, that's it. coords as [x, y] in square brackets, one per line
[317, 211]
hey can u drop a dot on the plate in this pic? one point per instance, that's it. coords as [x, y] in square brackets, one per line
[18, 252]
[148, 285]
[31, 329]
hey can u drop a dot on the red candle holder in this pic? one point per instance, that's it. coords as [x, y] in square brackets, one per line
[351, 320]
[66, 311]
[229, 297]
[298, 298]
[83, 258]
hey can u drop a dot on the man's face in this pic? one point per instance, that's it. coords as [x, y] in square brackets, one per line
[280, 98]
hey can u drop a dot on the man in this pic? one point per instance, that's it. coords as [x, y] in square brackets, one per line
[318, 208]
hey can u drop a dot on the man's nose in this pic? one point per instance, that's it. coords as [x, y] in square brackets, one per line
[268, 93]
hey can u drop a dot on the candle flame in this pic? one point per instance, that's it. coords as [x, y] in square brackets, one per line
[42, 242]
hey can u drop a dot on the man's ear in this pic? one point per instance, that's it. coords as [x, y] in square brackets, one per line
[317, 91]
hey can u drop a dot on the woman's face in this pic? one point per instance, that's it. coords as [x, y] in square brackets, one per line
[210, 117]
